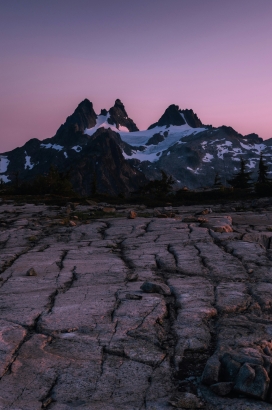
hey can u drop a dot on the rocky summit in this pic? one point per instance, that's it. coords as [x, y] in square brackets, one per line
[126, 313]
[109, 149]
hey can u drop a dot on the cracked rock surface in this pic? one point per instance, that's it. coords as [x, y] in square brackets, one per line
[145, 313]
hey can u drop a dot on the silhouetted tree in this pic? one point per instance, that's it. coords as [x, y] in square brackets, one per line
[241, 180]
[159, 187]
[263, 171]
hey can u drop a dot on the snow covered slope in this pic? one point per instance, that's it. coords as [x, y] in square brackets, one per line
[167, 136]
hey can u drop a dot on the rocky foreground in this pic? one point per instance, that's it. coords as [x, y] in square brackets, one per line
[146, 313]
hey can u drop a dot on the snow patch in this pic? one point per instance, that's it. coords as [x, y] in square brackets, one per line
[4, 178]
[65, 154]
[142, 156]
[183, 116]
[258, 148]
[4, 161]
[221, 150]
[77, 148]
[195, 171]
[28, 162]
[208, 158]
[53, 146]
[251, 164]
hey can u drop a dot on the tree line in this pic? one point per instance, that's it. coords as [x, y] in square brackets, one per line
[243, 179]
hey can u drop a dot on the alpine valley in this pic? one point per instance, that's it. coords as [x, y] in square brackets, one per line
[110, 149]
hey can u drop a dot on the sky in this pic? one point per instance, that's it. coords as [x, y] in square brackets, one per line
[213, 56]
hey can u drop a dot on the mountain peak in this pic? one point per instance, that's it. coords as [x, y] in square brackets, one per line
[191, 118]
[83, 117]
[174, 116]
[171, 116]
[119, 117]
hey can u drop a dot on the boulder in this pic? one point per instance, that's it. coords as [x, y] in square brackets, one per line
[211, 371]
[253, 381]
[230, 367]
[221, 224]
[222, 389]
[149, 287]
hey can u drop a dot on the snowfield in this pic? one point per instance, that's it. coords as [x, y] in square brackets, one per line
[152, 153]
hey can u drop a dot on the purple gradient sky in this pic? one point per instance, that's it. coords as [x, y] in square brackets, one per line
[209, 55]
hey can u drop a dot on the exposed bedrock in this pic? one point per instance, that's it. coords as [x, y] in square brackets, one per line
[142, 313]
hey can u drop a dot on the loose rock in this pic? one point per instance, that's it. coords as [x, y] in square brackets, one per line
[149, 287]
[132, 215]
[252, 381]
[222, 389]
[186, 401]
[31, 272]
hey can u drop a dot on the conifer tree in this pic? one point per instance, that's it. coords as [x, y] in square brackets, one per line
[241, 180]
[263, 171]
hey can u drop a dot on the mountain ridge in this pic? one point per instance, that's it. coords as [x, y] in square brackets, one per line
[179, 143]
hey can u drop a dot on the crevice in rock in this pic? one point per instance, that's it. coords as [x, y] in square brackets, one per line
[9, 263]
[173, 253]
[116, 305]
[103, 230]
[48, 399]
[52, 299]
[63, 256]
[69, 284]
[8, 369]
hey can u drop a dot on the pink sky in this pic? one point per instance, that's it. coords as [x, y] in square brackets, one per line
[214, 57]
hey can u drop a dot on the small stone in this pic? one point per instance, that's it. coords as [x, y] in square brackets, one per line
[132, 215]
[222, 389]
[72, 223]
[161, 288]
[250, 271]
[91, 202]
[186, 401]
[31, 272]
[162, 216]
[204, 212]
[108, 210]
[132, 277]
[46, 402]
[75, 217]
